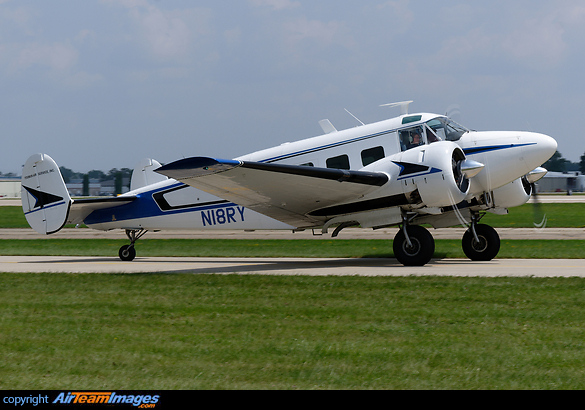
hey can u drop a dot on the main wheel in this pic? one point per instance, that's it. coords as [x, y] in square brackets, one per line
[488, 246]
[421, 251]
[127, 253]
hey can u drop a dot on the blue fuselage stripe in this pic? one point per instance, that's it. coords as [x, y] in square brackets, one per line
[479, 150]
[146, 207]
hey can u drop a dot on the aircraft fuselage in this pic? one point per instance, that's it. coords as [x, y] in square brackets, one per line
[386, 146]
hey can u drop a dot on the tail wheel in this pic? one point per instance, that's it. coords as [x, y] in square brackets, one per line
[127, 253]
[420, 250]
[486, 248]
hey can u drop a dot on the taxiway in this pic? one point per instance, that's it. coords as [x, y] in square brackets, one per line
[295, 266]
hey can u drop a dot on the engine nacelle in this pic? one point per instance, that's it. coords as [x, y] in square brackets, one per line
[435, 171]
[515, 193]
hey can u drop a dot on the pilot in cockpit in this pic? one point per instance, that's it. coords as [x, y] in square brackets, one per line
[416, 141]
[411, 138]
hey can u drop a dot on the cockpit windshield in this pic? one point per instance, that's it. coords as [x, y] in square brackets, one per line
[446, 129]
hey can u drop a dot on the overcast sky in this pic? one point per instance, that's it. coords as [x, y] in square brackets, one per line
[100, 84]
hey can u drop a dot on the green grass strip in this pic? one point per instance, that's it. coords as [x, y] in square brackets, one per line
[181, 331]
[309, 248]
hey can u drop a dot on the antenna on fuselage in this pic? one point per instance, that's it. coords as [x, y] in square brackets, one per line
[357, 119]
[327, 127]
[402, 104]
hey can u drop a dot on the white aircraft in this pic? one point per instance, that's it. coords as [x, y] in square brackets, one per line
[406, 171]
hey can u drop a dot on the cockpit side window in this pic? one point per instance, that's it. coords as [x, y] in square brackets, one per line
[445, 129]
[411, 137]
[431, 136]
[438, 128]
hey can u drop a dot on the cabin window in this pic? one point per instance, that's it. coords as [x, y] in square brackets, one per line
[411, 137]
[339, 162]
[372, 155]
[412, 118]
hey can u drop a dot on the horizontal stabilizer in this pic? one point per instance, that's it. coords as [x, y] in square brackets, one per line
[287, 193]
[81, 208]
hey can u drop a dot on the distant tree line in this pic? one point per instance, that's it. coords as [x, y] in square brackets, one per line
[559, 164]
[114, 174]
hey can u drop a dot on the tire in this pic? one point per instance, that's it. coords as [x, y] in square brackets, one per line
[127, 253]
[422, 250]
[488, 246]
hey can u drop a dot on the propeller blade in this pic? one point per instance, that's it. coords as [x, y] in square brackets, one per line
[540, 218]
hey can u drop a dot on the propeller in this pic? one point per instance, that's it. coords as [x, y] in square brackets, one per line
[464, 169]
[529, 182]
[454, 112]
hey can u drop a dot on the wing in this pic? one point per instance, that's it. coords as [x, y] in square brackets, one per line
[287, 193]
[81, 208]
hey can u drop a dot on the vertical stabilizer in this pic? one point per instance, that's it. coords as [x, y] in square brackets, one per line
[144, 174]
[45, 200]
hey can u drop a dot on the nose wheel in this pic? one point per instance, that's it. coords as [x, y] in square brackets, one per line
[480, 242]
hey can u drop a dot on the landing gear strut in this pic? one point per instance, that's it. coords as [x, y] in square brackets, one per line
[127, 252]
[413, 245]
[480, 242]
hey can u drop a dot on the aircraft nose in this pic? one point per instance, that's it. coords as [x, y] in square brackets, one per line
[539, 148]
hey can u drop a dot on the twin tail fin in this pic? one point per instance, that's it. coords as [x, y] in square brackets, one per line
[45, 200]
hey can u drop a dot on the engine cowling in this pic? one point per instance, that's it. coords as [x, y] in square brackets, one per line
[435, 171]
[515, 193]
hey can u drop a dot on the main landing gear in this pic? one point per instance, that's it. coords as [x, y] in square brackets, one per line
[414, 245]
[480, 242]
[127, 252]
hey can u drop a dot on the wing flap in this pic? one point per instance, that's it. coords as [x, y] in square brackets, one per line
[287, 193]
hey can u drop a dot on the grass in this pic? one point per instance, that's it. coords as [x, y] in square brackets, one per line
[309, 248]
[179, 331]
[183, 331]
[558, 216]
[12, 217]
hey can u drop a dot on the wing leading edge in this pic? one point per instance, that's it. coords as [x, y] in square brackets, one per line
[287, 193]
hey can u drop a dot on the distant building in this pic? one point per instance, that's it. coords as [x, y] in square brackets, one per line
[10, 187]
[562, 182]
[109, 187]
[75, 187]
[96, 188]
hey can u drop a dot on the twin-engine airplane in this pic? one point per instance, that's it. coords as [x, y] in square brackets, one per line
[407, 171]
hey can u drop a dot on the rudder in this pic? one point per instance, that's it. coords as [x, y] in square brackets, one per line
[45, 200]
[144, 174]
